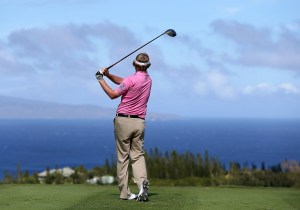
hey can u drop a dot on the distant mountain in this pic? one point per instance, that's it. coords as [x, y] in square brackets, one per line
[18, 108]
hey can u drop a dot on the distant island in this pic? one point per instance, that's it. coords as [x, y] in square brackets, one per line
[19, 108]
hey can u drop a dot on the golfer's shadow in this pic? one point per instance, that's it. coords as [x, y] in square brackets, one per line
[152, 194]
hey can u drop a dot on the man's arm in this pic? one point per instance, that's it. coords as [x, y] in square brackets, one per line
[115, 79]
[110, 92]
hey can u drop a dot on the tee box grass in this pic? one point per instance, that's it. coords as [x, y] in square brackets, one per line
[43, 197]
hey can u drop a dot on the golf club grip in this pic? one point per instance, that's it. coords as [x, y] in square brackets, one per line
[135, 51]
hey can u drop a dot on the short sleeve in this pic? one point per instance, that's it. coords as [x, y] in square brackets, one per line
[124, 86]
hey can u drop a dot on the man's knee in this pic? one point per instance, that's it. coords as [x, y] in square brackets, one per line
[136, 156]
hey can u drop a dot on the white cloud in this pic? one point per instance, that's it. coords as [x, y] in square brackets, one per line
[216, 83]
[289, 88]
[47, 58]
[261, 88]
[220, 85]
[261, 47]
[69, 49]
[51, 63]
[267, 89]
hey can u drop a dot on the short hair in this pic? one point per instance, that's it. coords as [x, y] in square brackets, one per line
[141, 62]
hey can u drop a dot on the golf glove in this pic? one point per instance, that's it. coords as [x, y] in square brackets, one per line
[99, 76]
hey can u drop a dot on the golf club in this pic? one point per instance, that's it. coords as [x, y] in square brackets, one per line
[169, 32]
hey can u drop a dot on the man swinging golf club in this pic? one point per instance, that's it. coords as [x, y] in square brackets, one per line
[129, 124]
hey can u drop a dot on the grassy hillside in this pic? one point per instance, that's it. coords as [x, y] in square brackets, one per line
[106, 197]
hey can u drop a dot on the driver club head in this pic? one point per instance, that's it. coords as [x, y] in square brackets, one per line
[171, 32]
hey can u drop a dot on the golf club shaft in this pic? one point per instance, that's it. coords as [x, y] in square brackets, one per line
[135, 51]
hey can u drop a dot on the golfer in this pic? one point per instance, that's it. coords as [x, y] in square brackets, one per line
[129, 124]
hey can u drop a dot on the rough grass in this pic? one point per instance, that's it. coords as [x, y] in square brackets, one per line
[43, 197]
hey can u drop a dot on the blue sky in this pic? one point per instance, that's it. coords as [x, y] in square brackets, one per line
[229, 59]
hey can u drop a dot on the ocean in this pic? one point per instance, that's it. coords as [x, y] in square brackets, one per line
[37, 144]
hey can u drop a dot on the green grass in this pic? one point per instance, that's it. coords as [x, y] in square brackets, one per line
[43, 197]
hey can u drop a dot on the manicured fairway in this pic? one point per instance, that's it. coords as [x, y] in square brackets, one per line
[43, 197]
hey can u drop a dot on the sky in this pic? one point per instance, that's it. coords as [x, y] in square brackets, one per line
[236, 59]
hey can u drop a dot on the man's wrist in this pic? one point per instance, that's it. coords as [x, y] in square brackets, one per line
[99, 76]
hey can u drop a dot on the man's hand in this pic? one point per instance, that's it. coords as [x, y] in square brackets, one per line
[101, 72]
[99, 75]
[104, 71]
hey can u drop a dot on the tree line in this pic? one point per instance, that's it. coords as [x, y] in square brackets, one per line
[173, 168]
[181, 169]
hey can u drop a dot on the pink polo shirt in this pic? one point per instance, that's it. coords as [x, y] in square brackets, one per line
[135, 91]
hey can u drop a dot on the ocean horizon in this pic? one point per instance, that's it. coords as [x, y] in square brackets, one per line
[37, 144]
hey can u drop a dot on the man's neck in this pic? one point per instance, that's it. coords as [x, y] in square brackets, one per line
[136, 71]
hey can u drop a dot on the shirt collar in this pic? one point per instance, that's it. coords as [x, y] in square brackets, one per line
[141, 73]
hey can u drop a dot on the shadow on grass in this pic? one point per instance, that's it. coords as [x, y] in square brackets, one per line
[150, 194]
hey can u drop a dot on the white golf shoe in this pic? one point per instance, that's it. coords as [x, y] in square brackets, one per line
[132, 197]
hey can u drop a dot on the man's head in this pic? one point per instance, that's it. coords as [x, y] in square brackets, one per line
[141, 62]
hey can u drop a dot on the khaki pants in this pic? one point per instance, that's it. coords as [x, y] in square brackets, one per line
[129, 135]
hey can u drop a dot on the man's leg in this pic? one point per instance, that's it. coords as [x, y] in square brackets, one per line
[122, 136]
[137, 153]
